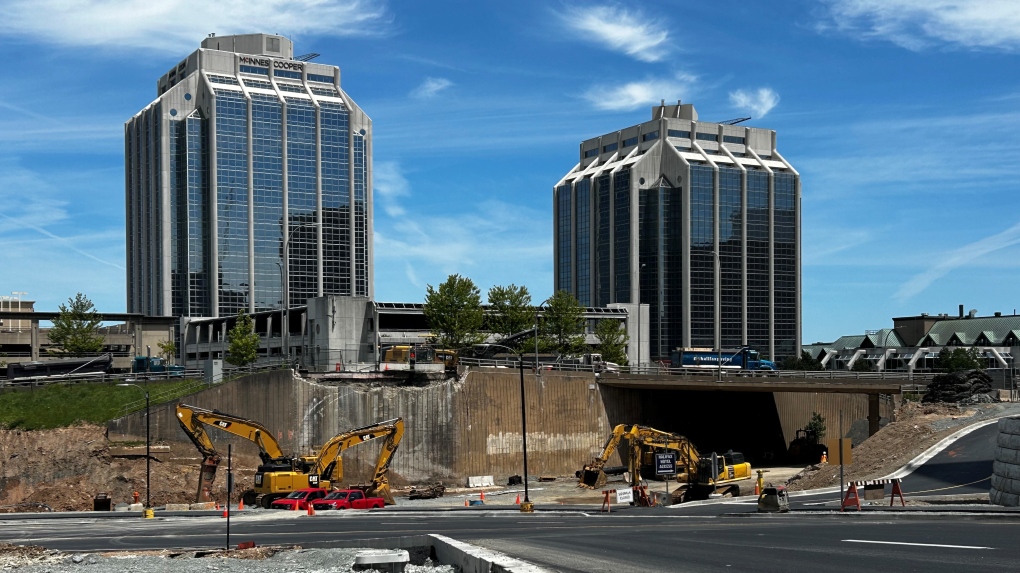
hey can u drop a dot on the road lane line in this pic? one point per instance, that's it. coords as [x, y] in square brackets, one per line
[916, 544]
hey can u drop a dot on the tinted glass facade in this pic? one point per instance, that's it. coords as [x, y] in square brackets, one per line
[715, 241]
[262, 186]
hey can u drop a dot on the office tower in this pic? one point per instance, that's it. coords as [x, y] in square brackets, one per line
[699, 220]
[250, 168]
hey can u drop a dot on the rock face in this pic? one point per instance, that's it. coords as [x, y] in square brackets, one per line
[1006, 467]
[958, 387]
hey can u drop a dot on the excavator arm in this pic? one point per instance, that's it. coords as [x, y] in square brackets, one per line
[591, 476]
[328, 464]
[193, 420]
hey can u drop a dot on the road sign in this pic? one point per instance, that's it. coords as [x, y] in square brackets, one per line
[624, 495]
[665, 463]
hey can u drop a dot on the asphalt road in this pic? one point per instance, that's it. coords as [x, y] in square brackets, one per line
[649, 541]
[963, 467]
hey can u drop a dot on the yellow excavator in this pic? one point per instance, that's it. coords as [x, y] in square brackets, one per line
[279, 473]
[694, 472]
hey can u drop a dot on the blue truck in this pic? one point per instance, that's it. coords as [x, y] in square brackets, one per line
[156, 365]
[742, 358]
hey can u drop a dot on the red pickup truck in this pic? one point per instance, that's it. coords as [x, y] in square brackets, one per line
[299, 499]
[348, 499]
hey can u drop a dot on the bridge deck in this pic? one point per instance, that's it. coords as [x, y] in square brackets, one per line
[752, 383]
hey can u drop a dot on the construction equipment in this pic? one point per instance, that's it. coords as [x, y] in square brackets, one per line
[279, 473]
[698, 476]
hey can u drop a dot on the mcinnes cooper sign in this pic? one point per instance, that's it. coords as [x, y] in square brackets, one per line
[267, 62]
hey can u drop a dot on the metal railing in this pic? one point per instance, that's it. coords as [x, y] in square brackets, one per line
[657, 370]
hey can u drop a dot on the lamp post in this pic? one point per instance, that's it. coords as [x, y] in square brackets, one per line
[148, 457]
[526, 506]
[286, 285]
[537, 309]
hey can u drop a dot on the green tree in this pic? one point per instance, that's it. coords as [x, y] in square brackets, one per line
[454, 312]
[805, 362]
[563, 327]
[862, 365]
[816, 426]
[244, 341]
[76, 328]
[958, 359]
[167, 349]
[510, 311]
[612, 337]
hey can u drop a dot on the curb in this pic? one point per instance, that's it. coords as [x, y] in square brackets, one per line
[464, 557]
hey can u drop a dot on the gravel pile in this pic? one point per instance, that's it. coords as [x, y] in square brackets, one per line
[257, 560]
[965, 386]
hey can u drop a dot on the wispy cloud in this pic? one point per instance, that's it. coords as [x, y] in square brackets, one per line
[918, 24]
[636, 94]
[430, 88]
[390, 186]
[961, 257]
[620, 30]
[177, 25]
[511, 248]
[69, 243]
[758, 102]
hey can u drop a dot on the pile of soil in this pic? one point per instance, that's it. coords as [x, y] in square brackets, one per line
[63, 470]
[958, 387]
[892, 447]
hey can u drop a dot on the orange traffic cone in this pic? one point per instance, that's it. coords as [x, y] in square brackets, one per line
[225, 510]
[825, 458]
[240, 504]
[311, 510]
[518, 502]
[465, 502]
[482, 495]
[757, 490]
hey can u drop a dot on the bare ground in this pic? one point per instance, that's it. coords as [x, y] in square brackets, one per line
[917, 428]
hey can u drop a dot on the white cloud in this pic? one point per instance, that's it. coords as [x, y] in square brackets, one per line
[176, 26]
[618, 29]
[917, 24]
[758, 102]
[430, 88]
[636, 94]
[961, 257]
[390, 186]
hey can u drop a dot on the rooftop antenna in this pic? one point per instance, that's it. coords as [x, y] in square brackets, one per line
[307, 57]
[734, 121]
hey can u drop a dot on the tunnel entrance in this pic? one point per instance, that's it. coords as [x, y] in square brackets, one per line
[716, 421]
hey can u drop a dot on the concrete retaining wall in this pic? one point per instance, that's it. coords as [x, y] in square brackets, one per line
[454, 428]
[1006, 467]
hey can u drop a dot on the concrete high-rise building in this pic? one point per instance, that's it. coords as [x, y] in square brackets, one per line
[251, 166]
[699, 221]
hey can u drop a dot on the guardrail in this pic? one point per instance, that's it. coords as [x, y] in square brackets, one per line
[918, 377]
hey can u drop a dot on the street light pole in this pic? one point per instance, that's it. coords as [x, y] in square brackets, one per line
[286, 285]
[148, 456]
[526, 506]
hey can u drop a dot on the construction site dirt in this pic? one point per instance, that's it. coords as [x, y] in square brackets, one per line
[64, 469]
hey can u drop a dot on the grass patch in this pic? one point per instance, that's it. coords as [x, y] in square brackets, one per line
[61, 405]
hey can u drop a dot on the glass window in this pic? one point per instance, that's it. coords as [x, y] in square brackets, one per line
[650, 136]
[682, 148]
[582, 224]
[253, 83]
[287, 74]
[610, 147]
[324, 92]
[591, 153]
[707, 136]
[320, 78]
[563, 212]
[630, 142]
[223, 80]
[254, 70]
[291, 88]
[678, 133]
[733, 139]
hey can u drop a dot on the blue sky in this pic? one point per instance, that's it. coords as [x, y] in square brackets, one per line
[901, 115]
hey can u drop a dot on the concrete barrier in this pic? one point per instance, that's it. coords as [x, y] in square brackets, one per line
[1006, 467]
[480, 481]
[464, 557]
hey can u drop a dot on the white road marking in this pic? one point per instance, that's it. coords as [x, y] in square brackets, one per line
[916, 544]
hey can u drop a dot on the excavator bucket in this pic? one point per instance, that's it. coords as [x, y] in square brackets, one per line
[592, 478]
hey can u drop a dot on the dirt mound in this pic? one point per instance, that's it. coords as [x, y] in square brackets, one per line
[915, 429]
[63, 469]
